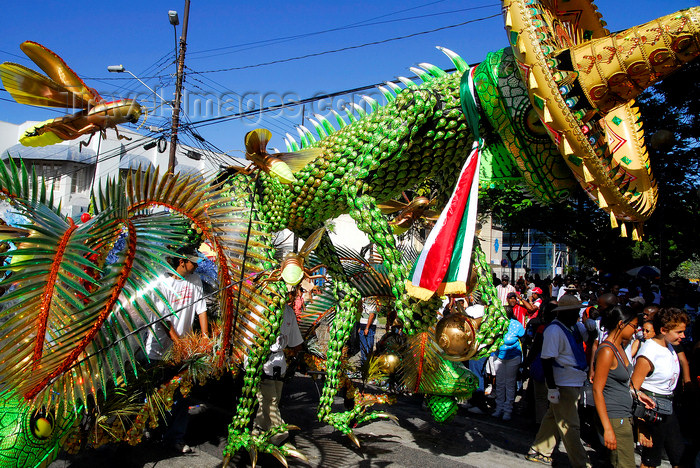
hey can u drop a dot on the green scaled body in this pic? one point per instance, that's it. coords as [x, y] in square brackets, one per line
[421, 133]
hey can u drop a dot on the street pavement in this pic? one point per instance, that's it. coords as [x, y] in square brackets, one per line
[415, 441]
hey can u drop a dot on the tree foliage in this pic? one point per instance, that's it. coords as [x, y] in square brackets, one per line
[671, 113]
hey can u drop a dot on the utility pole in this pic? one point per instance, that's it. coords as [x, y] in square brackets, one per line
[178, 89]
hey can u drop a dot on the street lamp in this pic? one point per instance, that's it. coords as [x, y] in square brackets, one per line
[121, 69]
[173, 18]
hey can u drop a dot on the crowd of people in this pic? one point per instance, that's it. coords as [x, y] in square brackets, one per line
[608, 363]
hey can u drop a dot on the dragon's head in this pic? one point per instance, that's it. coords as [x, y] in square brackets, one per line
[582, 81]
[31, 437]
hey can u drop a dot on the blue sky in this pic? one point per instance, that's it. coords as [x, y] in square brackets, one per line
[89, 36]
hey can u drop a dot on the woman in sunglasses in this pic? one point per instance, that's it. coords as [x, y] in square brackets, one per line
[611, 385]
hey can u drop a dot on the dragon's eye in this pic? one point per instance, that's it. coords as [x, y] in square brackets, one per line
[532, 120]
[41, 425]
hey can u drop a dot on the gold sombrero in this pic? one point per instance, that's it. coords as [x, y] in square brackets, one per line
[582, 82]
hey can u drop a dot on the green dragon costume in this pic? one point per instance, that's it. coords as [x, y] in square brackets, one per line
[555, 110]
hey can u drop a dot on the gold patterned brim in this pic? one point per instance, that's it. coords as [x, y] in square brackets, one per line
[582, 82]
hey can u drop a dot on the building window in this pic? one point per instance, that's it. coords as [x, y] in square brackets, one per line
[81, 178]
[50, 173]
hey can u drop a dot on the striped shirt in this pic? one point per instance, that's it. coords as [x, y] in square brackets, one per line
[503, 292]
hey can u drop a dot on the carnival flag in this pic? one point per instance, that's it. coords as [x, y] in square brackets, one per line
[445, 261]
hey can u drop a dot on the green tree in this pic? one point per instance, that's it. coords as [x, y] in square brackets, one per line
[670, 112]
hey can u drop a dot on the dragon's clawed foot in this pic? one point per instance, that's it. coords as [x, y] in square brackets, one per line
[346, 421]
[261, 442]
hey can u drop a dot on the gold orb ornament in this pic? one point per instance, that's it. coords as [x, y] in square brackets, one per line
[388, 363]
[456, 335]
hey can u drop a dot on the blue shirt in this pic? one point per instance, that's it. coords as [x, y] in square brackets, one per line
[511, 344]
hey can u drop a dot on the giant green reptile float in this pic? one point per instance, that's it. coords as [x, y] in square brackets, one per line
[554, 110]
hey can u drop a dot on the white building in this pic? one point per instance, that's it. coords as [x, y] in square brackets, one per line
[74, 170]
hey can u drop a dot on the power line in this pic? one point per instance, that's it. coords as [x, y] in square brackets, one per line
[284, 39]
[240, 115]
[282, 128]
[115, 152]
[23, 57]
[333, 51]
[342, 49]
[31, 105]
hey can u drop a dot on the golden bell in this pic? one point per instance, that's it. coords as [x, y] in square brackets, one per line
[456, 334]
[388, 363]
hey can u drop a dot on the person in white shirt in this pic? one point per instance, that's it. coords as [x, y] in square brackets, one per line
[185, 302]
[504, 289]
[565, 364]
[656, 374]
[184, 294]
[270, 391]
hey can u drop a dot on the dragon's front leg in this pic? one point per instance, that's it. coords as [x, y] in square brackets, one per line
[370, 220]
[348, 300]
[240, 435]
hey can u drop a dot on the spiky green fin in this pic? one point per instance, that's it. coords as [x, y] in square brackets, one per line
[360, 111]
[374, 105]
[309, 136]
[408, 83]
[328, 128]
[388, 94]
[458, 61]
[434, 70]
[422, 74]
[303, 142]
[15, 183]
[348, 112]
[339, 119]
[319, 128]
[394, 87]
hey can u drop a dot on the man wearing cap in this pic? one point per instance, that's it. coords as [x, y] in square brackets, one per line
[564, 364]
[504, 289]
[184, 294]
[536, 302]
[519, 306]
[525, 309]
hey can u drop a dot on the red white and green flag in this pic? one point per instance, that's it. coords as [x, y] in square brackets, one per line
[445, 261]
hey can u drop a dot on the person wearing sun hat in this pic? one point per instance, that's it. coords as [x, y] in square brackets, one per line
[570, 289]
[565, 364]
